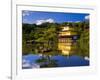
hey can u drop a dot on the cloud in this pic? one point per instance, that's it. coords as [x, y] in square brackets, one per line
[87, 17]
[39, 22]
[26, 13]
[25, 20]
[50, 20]
[70, 21]
[73, 21]
[77, 21]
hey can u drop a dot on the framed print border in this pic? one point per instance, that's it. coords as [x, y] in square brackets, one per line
[17, 71]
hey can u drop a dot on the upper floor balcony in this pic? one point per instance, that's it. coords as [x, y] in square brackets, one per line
[67, 33]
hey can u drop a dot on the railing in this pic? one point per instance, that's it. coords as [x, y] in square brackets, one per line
[68, 33]
[63, 47]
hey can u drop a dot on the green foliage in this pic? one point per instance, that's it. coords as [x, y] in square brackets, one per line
[44, 38]
[83, 41]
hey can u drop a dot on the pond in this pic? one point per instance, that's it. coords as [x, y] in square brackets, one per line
[30, 61]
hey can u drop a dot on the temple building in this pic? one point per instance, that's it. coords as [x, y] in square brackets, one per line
[67, 40]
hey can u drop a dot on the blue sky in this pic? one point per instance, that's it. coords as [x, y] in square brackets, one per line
[52, 17]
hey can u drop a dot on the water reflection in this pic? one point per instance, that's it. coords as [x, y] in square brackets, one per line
[37, 61]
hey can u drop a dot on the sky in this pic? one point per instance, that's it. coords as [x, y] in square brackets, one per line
[35, 17]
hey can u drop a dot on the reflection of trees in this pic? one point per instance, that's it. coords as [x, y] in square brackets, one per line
[47, 44]
[43, 39]
[83, 42]
[47, 62]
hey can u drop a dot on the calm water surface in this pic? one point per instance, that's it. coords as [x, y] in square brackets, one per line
[29, 61]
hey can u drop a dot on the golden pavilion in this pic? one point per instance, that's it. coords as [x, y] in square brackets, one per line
[67, 40]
